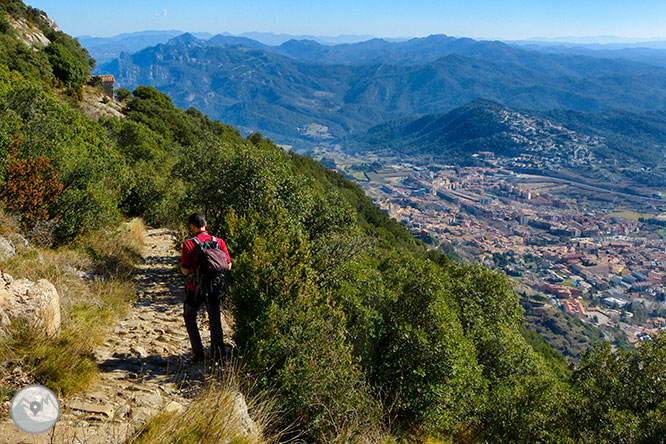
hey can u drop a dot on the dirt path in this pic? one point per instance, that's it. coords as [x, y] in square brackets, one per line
[144, 363]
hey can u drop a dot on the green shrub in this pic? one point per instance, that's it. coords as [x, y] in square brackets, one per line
[65, 66]
[619, 396]
[290, 335]
[423, 359]
[123, 94]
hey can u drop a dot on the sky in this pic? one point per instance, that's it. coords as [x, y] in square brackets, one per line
[482, 19]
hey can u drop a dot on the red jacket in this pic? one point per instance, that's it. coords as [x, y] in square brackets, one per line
[189, 257]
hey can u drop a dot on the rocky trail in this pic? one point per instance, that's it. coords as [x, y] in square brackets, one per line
[144, 363]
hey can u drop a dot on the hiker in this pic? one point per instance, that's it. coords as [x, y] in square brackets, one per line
[203, 287]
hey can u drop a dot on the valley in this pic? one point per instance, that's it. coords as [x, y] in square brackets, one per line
[568, 244]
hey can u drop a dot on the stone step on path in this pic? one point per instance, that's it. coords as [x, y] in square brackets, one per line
[144, 363]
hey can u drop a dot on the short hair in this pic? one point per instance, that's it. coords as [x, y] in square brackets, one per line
[197, 219]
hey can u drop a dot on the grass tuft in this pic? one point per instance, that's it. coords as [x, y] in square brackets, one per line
[114, 254]
[212, 416]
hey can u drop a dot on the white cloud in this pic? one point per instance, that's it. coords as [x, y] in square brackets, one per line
[161, 14]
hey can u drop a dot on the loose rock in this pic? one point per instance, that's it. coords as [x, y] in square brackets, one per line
[7, 249]
[88, 407]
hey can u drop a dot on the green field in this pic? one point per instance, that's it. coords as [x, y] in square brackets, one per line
[384, 177]
[357, 175]
[568, 282]
[630, 215]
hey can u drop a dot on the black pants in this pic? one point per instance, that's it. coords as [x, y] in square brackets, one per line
[190, 309]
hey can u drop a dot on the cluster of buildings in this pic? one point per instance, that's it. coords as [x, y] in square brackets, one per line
[603, 269]
[541, 144]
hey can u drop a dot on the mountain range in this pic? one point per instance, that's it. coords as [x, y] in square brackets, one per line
[653, 55]
[105, 49]
[302, 93]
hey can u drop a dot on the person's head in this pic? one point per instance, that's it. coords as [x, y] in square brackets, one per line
[197, 221]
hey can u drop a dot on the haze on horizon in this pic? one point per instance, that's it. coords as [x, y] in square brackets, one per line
[481, 19]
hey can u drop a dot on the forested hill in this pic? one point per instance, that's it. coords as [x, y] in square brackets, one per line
[298, 96]
[634, 139]
[360, 333]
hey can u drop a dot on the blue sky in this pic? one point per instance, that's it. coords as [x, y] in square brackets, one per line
[501, 19]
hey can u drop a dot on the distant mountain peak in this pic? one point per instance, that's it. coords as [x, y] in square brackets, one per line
[302, 43]
[186, 39]
[227, 39]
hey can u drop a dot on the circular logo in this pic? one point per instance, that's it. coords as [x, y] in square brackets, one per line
[35, 409]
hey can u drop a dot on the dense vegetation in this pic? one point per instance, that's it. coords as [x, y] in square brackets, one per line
[452, 136]
[287, 91]
[355, 327]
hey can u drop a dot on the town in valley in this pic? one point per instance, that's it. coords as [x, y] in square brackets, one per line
[593, 252]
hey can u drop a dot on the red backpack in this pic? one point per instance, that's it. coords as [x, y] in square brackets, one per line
[211, 264]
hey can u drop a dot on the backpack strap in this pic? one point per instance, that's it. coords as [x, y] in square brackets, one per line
[197, 241]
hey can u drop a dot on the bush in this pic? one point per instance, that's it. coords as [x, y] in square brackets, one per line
[31, 188]
[65, 66]
[291, 337]
[619, 396]
[423, 359]
[123, 94]
[96, 82]
[17, 56]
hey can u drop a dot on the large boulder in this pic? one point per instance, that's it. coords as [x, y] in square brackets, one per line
[37, 302]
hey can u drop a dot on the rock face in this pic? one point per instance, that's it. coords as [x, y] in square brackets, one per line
[7, 249]
[37, 302]
[50, 22]
[29, 34]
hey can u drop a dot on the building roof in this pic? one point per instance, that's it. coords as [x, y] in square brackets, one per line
[107, 78]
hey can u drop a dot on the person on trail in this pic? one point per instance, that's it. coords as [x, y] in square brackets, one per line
[202, 286]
